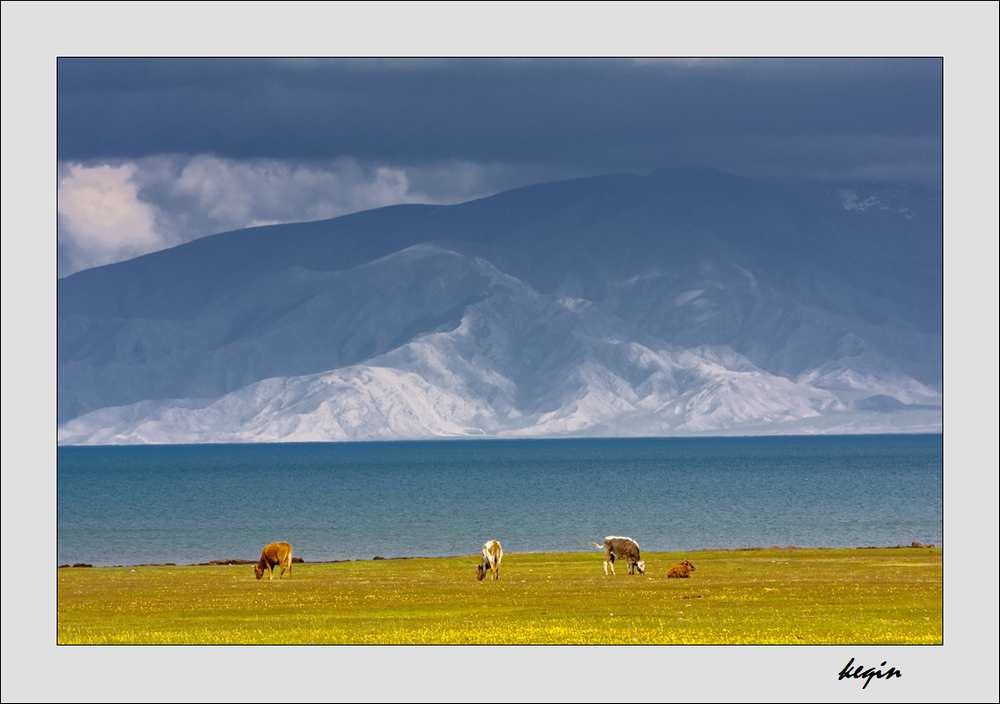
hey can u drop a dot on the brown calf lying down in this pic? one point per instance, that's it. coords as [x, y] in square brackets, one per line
[616, 547]
[682, 570]
[492, 555]
[274, 555]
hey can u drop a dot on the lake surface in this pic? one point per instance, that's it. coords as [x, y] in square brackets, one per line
[346, 501]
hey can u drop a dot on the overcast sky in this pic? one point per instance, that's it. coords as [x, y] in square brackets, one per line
[155, 152]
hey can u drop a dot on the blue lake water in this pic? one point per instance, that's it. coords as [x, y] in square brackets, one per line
[347, 501]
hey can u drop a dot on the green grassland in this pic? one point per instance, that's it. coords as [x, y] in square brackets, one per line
[857, 596]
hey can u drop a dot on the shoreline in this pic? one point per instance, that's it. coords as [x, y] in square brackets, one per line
[300, 561]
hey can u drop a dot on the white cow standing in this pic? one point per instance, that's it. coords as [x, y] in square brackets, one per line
[492, 555]
[616, 547]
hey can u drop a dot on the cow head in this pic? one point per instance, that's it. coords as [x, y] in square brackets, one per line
[641, 566]
[480, 572]
[258, 571]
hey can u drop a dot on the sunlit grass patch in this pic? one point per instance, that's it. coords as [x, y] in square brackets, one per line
[761, 597]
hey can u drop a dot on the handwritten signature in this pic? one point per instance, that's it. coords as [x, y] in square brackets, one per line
[859, 672]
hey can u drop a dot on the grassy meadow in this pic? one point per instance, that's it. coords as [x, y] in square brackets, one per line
[772, 596]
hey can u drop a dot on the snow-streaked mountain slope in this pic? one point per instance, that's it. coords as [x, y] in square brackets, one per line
[608, 306]
[518, 364]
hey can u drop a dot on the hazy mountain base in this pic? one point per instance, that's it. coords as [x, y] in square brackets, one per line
[150, 422]
[372, 402]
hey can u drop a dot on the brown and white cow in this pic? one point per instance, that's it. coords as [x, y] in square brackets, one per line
[684, 569]
[492, 555]
[616, 547]
[274, 555]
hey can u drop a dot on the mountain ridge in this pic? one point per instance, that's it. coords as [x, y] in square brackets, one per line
[735, 275]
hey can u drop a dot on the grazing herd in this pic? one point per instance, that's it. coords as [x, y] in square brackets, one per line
[615, 547]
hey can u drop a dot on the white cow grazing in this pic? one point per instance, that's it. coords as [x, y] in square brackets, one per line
[615, 547]
[492, 555]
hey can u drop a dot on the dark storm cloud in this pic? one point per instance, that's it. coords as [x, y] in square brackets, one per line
[807, 117]
[157, 152]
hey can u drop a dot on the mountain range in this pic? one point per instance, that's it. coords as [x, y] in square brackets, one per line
[683, 302]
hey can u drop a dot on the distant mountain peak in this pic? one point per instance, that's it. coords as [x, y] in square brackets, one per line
[683, 302]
